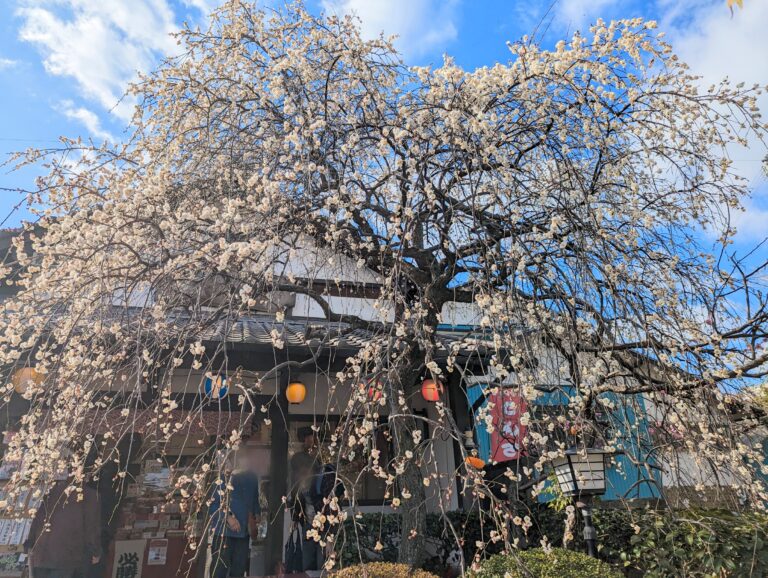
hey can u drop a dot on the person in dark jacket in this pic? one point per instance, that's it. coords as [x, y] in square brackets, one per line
[304, 468]
[65, 538]
[233, 517]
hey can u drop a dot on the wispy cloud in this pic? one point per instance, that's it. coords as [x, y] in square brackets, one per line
[101, 44]
[6, 63]
[204, 6]
[421, 25]
[580, 14]
[87, 118]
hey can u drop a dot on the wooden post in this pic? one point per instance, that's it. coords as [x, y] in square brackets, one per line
[278, 475]
[462, 415]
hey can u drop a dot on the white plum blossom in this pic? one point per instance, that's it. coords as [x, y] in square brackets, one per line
[559, 195]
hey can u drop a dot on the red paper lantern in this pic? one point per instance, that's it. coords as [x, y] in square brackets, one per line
[431, 390]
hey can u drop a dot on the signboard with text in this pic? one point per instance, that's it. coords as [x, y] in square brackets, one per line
[129, 558]
[158, 552]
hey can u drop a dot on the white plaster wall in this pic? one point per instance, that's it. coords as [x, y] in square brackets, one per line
[140, 296]
[684, 469]
[310, 262]
[366, 309]
[455, 313]
[372, 310]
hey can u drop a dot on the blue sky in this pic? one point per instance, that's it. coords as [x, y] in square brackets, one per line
[64, 63]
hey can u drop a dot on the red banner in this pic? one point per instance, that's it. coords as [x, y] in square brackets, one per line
[508, 434]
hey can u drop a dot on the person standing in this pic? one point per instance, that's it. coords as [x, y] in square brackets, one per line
[304, 462]
[234, 516]
[65, 537]
[304, 469]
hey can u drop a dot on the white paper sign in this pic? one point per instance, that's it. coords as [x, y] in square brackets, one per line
[158, 552]
[129, 557]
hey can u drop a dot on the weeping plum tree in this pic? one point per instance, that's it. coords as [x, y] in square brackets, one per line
[562, 196]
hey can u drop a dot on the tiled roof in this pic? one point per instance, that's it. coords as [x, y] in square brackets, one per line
[147, 421]
[258, 330]
[297, 333]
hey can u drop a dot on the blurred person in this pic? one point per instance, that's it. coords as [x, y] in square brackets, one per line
[235, 516]
[304, 468]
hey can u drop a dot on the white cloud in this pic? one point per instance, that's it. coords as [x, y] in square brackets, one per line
[204, 6]
[715, 46]
[7, 63]
[580, 14]
[421, 25]
[752, 223]
[101, 44]
[88, 118]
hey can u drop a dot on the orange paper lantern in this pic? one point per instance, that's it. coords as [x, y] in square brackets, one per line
[475, 462]
[296, 392]
[431, 390]
[24, 376]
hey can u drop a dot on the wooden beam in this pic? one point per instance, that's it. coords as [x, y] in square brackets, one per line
[278, 475]
[457, 401]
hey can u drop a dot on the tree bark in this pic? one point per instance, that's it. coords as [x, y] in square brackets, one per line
[414, 514]
[403, 423]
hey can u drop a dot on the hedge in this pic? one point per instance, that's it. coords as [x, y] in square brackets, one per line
[538, 563]
[657, 544]
[700, 544]
[381, 570]
[372, 537]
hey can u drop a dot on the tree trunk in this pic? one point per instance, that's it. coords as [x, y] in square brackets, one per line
[414, 514]
[411, 481]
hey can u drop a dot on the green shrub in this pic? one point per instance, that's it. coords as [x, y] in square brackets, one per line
[537, 563]
[368, 538]
[689, 544]
[357, 539]
[381, 570]
[614, 530]
[700, 544]
[376, 538]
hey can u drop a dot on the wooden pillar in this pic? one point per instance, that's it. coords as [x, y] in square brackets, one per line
[278, 475]
[462, 415]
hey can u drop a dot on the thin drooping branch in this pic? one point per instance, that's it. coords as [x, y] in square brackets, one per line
[535, 223]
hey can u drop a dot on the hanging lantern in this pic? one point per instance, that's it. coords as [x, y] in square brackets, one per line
[373, 389]
[431, 390]
[296, 392]
[475, 462]
[23, 377]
